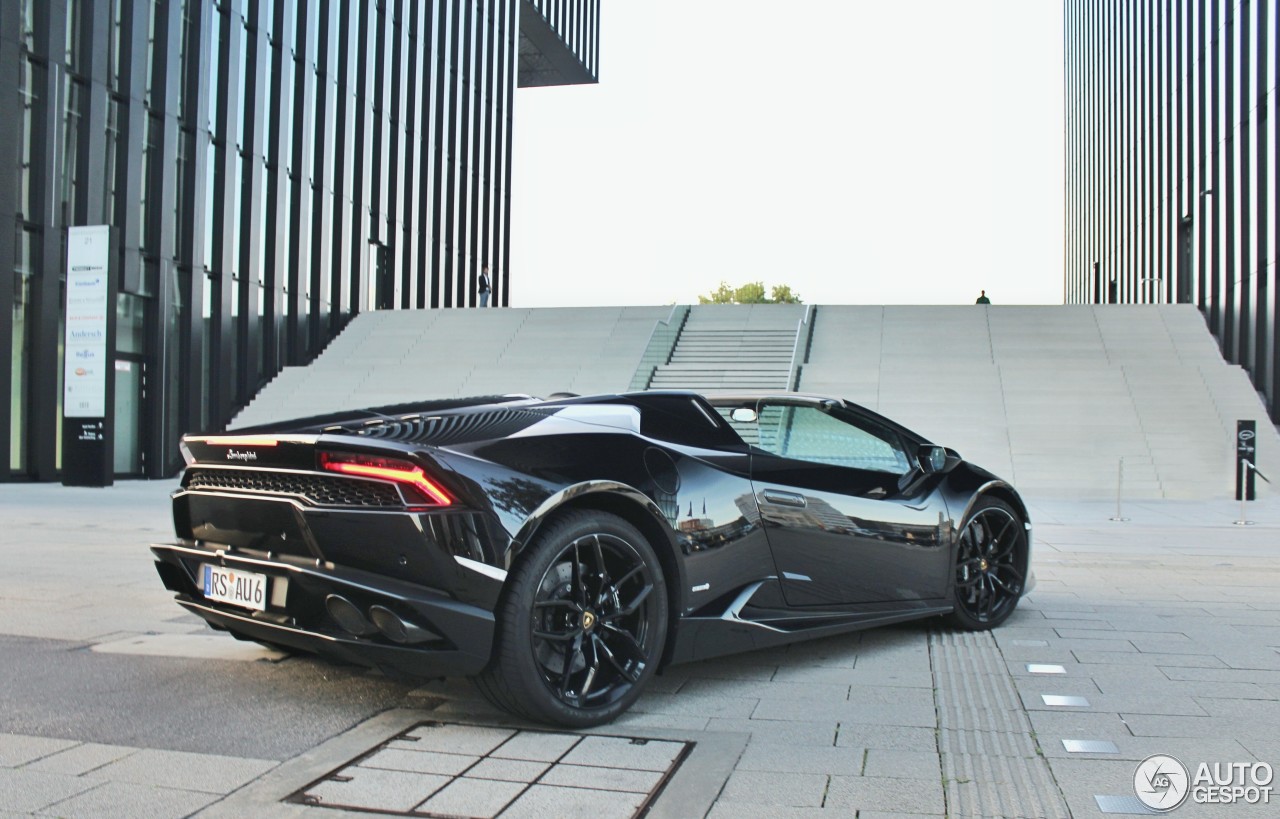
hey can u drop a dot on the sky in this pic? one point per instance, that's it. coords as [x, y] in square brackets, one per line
[860, 151]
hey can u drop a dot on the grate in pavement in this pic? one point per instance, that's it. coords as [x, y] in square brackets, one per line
[451, 769]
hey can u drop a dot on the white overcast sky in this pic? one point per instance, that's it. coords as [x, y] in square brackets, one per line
[862, 151]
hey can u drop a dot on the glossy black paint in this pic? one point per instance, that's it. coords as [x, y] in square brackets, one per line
[759, 549]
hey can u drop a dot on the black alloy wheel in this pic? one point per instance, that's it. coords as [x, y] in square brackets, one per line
[991, 566]
[582, 626]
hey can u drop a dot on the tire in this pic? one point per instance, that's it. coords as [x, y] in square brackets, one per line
[990, 567]
[582, 624]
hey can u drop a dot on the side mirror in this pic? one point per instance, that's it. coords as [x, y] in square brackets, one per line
[743, 415]
[931, 458]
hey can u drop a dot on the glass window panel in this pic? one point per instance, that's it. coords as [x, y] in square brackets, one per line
[130, 327]
[809, 434]
[19, 370]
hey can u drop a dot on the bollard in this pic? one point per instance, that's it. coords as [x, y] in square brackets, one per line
[1244, 474]
[1119, 516]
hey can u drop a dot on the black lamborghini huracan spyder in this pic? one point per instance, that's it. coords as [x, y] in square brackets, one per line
[562, 551]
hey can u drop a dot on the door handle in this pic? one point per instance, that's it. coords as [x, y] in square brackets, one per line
[784, 498]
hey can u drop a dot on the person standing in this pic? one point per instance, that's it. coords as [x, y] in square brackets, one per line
[484, 286]
[982, 299]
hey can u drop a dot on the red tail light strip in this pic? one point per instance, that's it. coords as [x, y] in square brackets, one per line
[387, 469]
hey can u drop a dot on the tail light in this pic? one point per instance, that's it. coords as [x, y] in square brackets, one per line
[406, 473]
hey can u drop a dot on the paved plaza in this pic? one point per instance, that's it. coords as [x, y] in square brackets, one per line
[1156, 635]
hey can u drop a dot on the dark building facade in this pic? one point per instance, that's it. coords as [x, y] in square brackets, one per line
[1171, 166]
[268, 168]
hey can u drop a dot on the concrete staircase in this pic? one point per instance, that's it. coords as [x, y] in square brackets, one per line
[1052, 397]
[730, 347]
[394, 356]
[1048, 397]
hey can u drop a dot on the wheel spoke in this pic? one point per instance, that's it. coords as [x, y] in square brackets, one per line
[557, 636]
[602, 570]
[630, 609]
[593, 669]
[630, 673]
[622, 644]
[561, 604]
[579, 588]
[569, 656]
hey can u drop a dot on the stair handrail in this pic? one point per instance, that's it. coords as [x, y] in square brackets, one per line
[802, 337]
[662, 342]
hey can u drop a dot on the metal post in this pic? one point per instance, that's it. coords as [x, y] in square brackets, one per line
[1244, 474]
[1119, 516]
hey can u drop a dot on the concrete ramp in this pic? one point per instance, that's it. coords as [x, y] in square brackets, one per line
[1052, 397]
[394, 356]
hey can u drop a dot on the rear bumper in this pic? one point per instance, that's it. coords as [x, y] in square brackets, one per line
[460, 635]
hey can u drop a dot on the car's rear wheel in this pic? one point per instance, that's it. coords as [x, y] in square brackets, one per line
[991, 566]
[582, 625]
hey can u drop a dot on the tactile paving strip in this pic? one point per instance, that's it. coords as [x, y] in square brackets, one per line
[991, 765]
[446, 769]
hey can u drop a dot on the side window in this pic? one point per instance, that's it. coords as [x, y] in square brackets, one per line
[809, 434]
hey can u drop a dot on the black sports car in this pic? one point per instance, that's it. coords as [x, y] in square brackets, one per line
[562, 551]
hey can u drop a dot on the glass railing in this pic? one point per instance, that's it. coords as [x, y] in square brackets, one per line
[661, 342]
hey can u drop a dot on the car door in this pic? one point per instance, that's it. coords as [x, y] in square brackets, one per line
[846, 521]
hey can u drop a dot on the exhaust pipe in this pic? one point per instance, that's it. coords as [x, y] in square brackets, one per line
[348, 616]
[397, 629]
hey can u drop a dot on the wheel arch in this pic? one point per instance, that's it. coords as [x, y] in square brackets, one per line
[635, 508]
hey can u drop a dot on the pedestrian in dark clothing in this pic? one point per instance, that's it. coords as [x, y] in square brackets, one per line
[484, 286]
[983, 298]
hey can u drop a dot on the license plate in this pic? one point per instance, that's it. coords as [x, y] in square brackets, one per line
[239, 588]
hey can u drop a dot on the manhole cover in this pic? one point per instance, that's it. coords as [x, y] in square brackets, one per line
[450, 769]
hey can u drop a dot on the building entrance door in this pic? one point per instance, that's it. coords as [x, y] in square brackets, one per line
[131, 390]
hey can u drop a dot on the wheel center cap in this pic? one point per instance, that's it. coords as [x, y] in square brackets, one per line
[588, 620]
[983, 564]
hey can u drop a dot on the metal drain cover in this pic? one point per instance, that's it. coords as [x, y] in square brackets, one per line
[447, 769]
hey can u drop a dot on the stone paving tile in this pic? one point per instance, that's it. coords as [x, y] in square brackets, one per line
[899, 678]
[1241, 708]
[705, 705]
[1051, 726]
[723, 669]
[192, 772]
[80, 759]
[769, 788]
[472, 797]
[843, 761]
[620, 752]
[125, 799]
[741, 810]
[431, 762]
[901, 764]
[1157, 725]
[755, 689]
[1136, 749]
[508, 770]
[891, 695]
[643, 719]
[885, 794]
[19, 749]
[771, 732]
[916, 715]
[886, 737]
[455, 739]
[536, 746]
[28, 791]
[375, 789]
[1147, 660]
[1118, 703]
[542, 801]
[602, 779]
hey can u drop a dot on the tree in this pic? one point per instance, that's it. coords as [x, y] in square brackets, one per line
[750, 293]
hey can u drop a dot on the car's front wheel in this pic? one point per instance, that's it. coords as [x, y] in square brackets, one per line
[582, 625]
[990, 567]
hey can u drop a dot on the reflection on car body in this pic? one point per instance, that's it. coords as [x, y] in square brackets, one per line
[561, 551]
